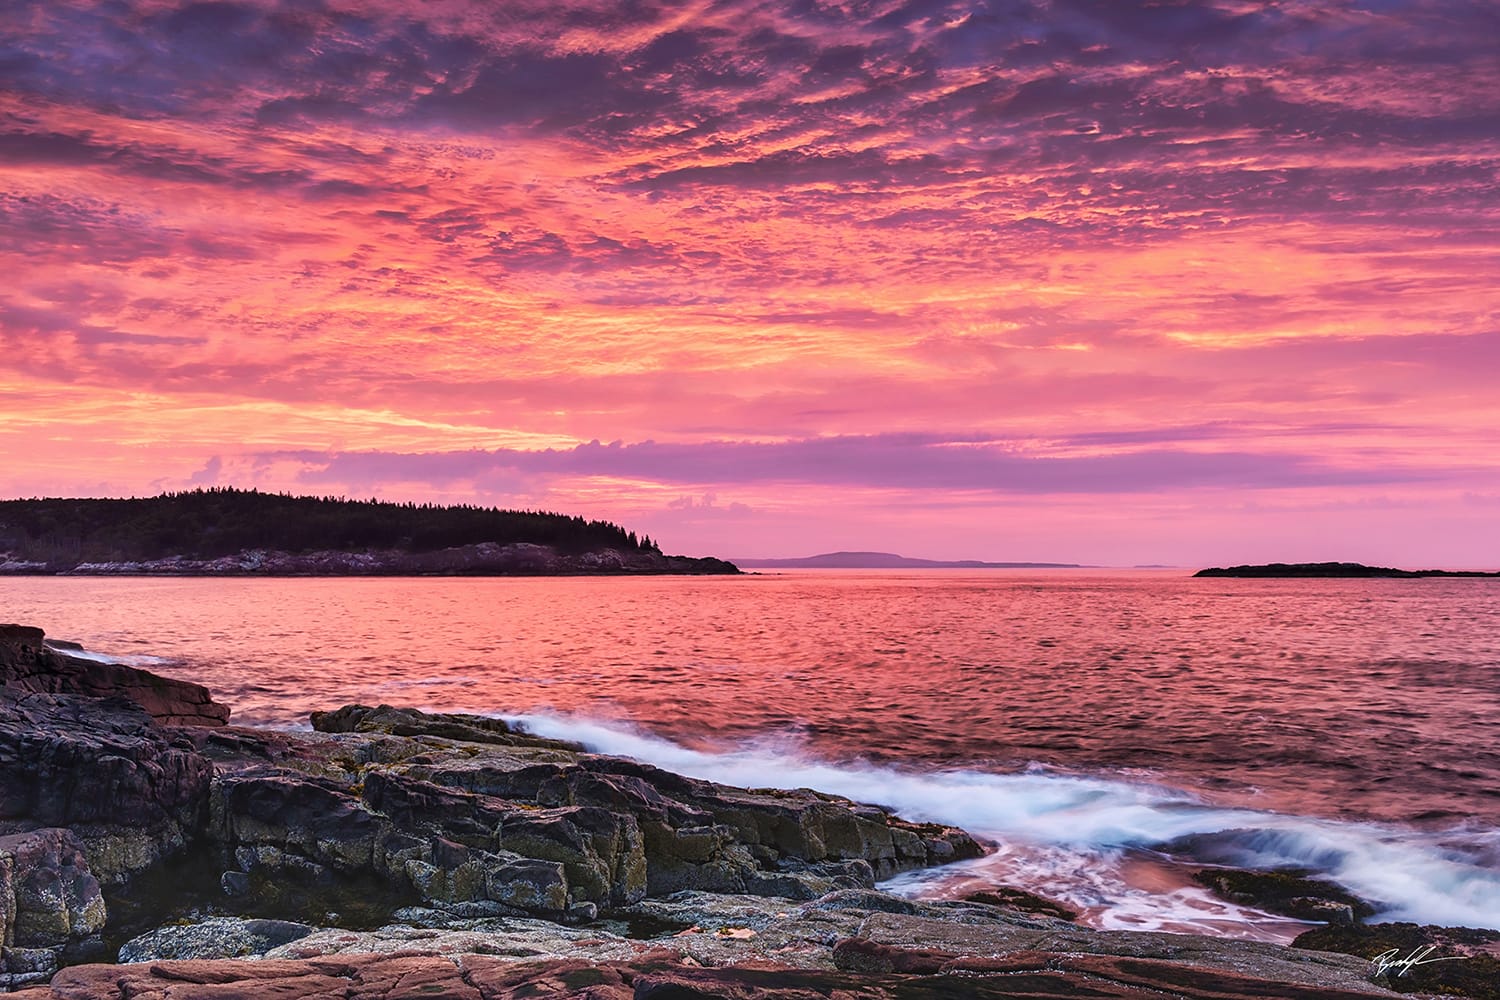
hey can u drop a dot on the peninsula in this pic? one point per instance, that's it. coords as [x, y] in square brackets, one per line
[234, 532]
[1332, 569]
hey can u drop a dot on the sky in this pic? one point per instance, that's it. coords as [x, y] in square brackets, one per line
[1106, 281]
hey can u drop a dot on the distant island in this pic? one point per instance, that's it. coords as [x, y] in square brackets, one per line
[235, 532]
[888, 560]
[1332, 569]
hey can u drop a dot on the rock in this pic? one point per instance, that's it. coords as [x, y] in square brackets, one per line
[29, 663]
[410, 722]
[704, 928]
[1019, 899]
[55, 897]
[716, 929]
[524, 824]
[698, 834]
[293, 817]
[1050, 974]
[51, 906]
[581, 913]
[1453, 961]
[515, 938]
[866, 901]
[919, 935]
[662, 974]
[105, 770]
[1289, 892]
[215, 937]
[27, 638]
[408, 799]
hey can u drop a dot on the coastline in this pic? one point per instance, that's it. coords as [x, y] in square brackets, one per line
[479, 559]
[432, 839]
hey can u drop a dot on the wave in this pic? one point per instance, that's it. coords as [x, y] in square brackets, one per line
[122, 659]
[1085, 839]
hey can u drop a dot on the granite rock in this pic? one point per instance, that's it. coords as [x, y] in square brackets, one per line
[214, 937]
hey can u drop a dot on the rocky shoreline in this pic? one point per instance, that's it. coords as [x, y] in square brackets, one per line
[148, 849]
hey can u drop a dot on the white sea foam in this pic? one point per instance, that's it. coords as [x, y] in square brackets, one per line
[1073, 837]
[124, 659]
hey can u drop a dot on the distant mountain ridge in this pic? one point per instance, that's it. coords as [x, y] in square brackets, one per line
[889, 560]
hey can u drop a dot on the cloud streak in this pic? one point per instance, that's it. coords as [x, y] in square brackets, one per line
[902, 462]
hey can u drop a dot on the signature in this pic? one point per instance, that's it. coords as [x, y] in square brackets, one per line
[1390, 961]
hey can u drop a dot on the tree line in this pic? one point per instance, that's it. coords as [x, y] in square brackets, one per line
[223, 521]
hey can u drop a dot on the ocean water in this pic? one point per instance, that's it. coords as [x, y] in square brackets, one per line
[1107, 731]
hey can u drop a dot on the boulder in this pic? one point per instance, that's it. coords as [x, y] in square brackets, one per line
[411, 722]
[51, 906]
[1290, 892]
[214, 937]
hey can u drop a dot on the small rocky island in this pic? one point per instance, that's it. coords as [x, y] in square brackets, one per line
[233, 532]
[148, 849]
[1331, 569]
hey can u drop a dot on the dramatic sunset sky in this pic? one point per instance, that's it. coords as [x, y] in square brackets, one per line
[1107, 281]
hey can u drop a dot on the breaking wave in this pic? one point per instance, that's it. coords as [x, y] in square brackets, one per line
[1118, 850]
[123, 659]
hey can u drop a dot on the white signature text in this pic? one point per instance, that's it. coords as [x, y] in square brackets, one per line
[1390, 961]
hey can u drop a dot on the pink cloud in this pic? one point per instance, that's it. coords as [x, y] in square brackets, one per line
[1011, 250]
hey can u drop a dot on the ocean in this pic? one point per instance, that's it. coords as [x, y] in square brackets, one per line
[1109, 731]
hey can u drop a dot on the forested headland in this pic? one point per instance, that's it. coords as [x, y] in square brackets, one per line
[202, 525]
